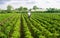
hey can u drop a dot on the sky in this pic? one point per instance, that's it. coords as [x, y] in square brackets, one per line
[30, 3]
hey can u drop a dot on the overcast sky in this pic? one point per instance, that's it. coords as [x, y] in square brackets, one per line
[30, 3]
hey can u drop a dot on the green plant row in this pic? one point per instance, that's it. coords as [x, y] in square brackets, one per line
[4, 16]
[44, 22]
[8, 26]
[16, 33]
[36, 33]
[25, 29]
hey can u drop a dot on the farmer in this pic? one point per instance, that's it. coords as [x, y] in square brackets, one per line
[29, 14]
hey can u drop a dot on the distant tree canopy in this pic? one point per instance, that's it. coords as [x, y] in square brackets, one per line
[25, 10]
[52, 10]
[22, 9]
[35, 7]
[9, 8]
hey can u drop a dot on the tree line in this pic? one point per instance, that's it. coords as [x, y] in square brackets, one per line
[21, 9]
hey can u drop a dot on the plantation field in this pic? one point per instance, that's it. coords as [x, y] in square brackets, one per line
[40, 25]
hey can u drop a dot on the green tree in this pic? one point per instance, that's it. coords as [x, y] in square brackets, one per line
[0, 10]
[9, 8]
[51, 9]
[35, 7]
[25, 8]
[21, 8]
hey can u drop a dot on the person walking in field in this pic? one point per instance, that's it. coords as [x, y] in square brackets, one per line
[29, 14]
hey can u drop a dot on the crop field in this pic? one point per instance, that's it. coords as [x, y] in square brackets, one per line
[40, 25]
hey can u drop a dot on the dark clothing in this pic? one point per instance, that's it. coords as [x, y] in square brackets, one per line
[29, 16]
